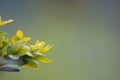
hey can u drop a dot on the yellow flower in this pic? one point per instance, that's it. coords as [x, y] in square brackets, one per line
[20, 36]
[2, 23]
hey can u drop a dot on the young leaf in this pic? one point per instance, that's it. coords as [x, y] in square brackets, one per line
[45, 60]
[42, 59]
[31, 65]
[21, 52]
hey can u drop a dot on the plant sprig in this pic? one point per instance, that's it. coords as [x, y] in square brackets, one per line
[19, 52]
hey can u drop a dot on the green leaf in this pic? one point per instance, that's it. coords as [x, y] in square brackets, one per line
[4, 41]
[42, 59]
[31, 65]
[4, 52]
[45, 60]
[21, 61]
[9, 69]
[9, 50]
[21, 52]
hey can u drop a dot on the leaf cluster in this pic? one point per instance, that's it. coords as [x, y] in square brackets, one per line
[18, 52]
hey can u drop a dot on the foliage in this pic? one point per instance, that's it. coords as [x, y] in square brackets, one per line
[16, 51]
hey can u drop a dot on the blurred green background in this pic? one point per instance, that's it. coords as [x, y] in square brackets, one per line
[85, 35]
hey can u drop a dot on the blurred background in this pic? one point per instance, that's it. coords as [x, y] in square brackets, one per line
[85, 35]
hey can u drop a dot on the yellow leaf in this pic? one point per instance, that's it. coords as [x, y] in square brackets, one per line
[2, 23]
[14, 39]
[45, 60]
[25, 39]
[19, 34]
[6, 22]
[41, 44]
[46, 49]
[35, 47]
